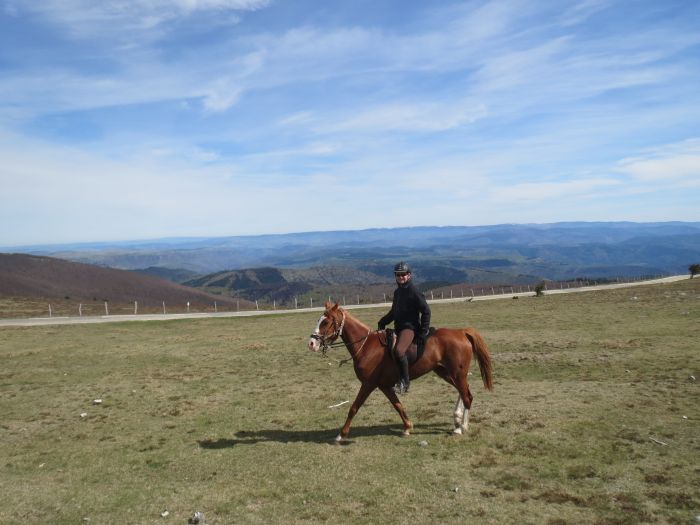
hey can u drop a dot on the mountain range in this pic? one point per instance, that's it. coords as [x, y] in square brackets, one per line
[281, 266]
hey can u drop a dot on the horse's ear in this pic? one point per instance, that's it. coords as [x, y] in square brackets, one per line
[328, 305]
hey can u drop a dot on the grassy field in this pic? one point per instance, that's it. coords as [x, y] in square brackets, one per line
[594, 420]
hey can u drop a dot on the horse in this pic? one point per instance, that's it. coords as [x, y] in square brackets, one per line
[448, 353]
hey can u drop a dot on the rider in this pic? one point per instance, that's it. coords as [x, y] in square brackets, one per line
[411, 316]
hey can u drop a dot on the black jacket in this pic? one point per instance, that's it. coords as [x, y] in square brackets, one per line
[409, 309]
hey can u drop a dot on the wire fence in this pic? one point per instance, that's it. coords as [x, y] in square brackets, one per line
[73, 308]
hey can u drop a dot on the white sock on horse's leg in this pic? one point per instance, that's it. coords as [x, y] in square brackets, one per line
[459, 415]
[465, 420]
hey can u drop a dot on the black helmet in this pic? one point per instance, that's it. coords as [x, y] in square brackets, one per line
[402, 267]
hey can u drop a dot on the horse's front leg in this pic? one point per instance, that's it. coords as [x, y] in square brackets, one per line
[362, 395]
[394, 399]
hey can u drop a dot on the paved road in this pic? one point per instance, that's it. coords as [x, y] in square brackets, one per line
[41, 321]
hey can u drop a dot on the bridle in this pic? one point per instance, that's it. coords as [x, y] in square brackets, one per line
[328, 341]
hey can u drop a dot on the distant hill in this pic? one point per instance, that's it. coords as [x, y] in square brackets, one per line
[283, 285]
[37, 276]
[175, 275]
[552, 251]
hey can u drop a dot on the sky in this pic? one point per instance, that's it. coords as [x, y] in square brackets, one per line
[142, 119]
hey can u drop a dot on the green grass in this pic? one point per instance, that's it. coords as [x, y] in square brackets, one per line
[230, 417]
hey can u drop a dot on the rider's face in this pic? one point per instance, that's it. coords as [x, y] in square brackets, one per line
[402, 278]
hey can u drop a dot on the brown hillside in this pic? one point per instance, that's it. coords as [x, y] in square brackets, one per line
[46, 277]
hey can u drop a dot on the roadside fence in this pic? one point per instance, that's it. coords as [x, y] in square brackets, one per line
[69, 308]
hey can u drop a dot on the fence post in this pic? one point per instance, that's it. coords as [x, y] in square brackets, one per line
[136, 307]
[50, 314]
[312, 302]
[215, 310]
[80, 310]
[188, 307]
[163, 307]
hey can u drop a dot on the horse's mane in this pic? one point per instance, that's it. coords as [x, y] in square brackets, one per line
[335, 312]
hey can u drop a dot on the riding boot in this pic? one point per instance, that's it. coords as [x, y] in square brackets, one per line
[405, 379]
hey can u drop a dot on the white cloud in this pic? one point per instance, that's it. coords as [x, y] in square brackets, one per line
[581, 11]
[296, 119]
[228, 85]
[313, 149]
[85, 15]
[672, 162]
[418, 117]
[53, 194]
[541, 191]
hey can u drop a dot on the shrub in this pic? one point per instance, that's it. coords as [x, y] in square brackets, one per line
[694, 269]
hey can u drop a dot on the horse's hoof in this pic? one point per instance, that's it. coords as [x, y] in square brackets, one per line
[457, 432]
[339, 439]
[405, 433]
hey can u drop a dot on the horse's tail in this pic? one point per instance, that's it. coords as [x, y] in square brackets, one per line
[482, 356]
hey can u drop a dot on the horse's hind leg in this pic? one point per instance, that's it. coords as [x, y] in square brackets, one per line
[462, 407]
[394, 399]
[464, 400]
[460, 425]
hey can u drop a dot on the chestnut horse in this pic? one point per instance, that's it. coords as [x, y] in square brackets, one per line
[448, 353]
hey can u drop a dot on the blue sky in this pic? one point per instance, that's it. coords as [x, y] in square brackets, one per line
[123, 120]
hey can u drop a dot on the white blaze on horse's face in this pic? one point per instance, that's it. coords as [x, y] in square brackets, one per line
[314, 341]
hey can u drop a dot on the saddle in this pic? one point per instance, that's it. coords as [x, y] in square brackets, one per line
[388, 337]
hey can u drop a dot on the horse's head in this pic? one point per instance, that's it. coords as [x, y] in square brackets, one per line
[328, 328]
